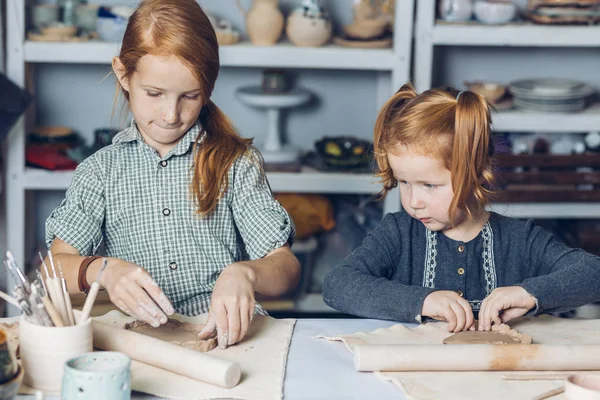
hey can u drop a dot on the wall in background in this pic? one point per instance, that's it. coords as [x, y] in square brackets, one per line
[344, 103]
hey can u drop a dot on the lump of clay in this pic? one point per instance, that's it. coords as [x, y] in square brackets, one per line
[500, 334]
[180, 333]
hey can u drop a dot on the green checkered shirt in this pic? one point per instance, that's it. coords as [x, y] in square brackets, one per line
[139, 205]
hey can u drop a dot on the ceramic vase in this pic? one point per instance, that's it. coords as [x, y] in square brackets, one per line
[264, 22]
[309, 25]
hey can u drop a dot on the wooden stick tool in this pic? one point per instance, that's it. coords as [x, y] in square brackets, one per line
[50, 309]
[56, 292]
[68, 305]
[91, 298]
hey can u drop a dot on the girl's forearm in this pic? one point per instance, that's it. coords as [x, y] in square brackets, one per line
[275, 274]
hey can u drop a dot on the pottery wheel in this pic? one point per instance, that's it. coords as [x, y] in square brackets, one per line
[500, 334]
[180, 333]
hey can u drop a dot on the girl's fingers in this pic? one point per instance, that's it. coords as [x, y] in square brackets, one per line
[156, 293]
[246, 314]
[138, 312]
[460, 316]
[145, 302]
[233, 322]
[483, 314]
[209, 328]
[470, 319]
[222, 325]
[451, 318]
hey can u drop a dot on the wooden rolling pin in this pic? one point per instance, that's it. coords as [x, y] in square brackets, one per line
[477, 357]
[168, 356]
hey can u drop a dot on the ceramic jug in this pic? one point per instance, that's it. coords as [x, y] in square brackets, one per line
[264, 22]
[456, 10]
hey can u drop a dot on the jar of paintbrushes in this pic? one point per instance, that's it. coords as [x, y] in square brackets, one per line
[50, 331]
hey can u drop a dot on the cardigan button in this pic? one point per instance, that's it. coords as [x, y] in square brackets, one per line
[461, 271]
[461, 248]
[460, 293]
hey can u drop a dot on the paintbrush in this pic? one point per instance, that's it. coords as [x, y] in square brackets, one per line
[68, 305]
[11, 264]
[54, 282]
[91, 298]
[9, 299]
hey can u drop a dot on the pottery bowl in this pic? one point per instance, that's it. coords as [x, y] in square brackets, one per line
[44, 15]
[366, 29]
[492, 91]
[344, 151]
[111, 29]
[10, 389]
[583, 387]
[59, 29]
[489, 12]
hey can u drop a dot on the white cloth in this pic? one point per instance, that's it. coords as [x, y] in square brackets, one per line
[472, 385]
[262, 356]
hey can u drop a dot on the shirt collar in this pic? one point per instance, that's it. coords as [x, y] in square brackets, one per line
[133, 134]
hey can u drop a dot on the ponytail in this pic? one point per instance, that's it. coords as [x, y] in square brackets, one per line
[383, 134]
[472, 148]
[213, 157]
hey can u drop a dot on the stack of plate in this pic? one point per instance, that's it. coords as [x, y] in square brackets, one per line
[550, 95]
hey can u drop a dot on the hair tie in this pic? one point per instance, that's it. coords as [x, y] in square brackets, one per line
[458, 95]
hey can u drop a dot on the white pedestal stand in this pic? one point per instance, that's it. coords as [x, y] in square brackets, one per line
[274, 151]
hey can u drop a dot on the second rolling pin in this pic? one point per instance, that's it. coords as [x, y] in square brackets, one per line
[477, 357]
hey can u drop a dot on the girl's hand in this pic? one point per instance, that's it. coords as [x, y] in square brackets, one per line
[132, 289]
[504, 304]
[446, 305]
[231, 305]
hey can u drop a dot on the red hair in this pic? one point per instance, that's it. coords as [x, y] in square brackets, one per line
[181, 28]
[445, 125]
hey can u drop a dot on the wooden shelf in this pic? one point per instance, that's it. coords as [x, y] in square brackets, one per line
[517, 34]
[548, 210]
[306, 181]
[518, 120]
[281, 55]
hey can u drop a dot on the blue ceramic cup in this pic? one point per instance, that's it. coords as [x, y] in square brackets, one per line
[97, 376]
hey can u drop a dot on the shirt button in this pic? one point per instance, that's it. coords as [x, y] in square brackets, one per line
[460, 293]
[461, 271]
[461, 248]
[166, 212]
[163, 163]
[173, 266]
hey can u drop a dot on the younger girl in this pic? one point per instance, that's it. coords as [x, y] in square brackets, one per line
[444, 256]
[179, 199]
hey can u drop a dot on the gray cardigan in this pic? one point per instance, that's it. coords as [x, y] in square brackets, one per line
[400, 262]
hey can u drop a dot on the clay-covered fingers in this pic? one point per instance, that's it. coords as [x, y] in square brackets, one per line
[154, 291]
[130, 306]
[145, 305]
[222, 322]
[245, 320]
[246, 312]
[209, 328]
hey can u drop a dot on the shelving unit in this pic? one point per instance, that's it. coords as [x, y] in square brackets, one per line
[431, 33]
[391, 65]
